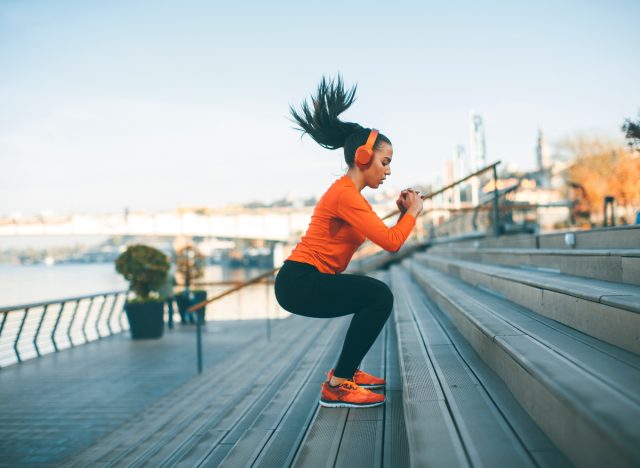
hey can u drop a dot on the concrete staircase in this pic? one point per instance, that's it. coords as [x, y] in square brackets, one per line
[518, 351]
[522, 351]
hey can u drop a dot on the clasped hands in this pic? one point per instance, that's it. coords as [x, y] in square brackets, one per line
[409, 201]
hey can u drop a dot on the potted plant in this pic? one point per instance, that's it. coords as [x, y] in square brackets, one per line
[146, 270]
[190, 263]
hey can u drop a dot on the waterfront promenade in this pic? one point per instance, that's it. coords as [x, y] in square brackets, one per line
[514, 351]
[59, 404]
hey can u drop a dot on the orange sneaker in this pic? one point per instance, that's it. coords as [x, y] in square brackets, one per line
[363, 379]
[349, 395]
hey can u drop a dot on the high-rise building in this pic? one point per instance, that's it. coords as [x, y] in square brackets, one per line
[461, 166]
[478, 152]
[542, 152]
[477, 148]
[448, 177]
[460, 169]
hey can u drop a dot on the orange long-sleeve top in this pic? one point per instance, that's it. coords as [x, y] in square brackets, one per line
[340, 223]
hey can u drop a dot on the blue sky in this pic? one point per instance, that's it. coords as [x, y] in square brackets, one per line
[159, 104]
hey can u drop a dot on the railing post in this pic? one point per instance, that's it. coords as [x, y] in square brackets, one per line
[4, 319]
[55, 327]
[198, 341]
[113, 307]
[86, 319]
[104, 301]
[268, 308]
[15, 343]
[35, 338]
[73, 318]
[496, 213]
[122, 312]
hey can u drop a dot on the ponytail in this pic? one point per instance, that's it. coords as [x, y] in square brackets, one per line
[322, 122]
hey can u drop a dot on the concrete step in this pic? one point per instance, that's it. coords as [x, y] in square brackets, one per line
[581, 393]
[605, 310]
[458, 412]
[619, 237]
[617, 265]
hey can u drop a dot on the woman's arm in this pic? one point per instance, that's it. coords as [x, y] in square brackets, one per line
[355, 210]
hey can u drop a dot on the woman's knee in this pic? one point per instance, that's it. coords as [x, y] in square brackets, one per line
[384, 298]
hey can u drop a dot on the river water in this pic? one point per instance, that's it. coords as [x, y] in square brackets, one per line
[23, 284]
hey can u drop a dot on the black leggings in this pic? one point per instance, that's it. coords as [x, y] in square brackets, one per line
[303, 290]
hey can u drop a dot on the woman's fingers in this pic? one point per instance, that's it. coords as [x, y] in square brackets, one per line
[414, 201]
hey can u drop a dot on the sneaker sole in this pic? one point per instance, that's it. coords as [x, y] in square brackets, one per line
[342, 404]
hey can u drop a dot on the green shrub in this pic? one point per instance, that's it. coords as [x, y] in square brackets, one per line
[145, 268]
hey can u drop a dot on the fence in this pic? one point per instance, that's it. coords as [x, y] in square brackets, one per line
[32, 330]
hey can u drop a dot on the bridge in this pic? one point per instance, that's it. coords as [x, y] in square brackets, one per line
[270, 224]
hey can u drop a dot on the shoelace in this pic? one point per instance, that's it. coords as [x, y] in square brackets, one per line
[352, 386]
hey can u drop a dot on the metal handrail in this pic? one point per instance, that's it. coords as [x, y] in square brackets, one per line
[53, 301]
[495, 209]
[450, 186]
[254, 280]
[202, 304]
[211, 283]
[480, 207]
[40, 328]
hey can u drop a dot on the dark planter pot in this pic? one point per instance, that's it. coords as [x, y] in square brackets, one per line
[183, 304]
[146, 319]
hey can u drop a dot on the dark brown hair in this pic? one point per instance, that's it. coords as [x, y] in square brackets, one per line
[321, 122]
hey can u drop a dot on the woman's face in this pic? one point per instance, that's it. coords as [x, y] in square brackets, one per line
[380, 166]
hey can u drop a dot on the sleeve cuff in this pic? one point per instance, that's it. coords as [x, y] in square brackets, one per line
[409, 215]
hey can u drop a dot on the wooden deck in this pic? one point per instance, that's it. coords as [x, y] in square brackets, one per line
[120, 402]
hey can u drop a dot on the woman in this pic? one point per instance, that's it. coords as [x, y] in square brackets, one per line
[311, 282]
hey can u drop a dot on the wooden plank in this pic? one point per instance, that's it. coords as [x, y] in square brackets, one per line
[285, 391]
[432, 436]
[528, 431]
[243, 416]
[187, 404]
[487, 437]
[320, 445]
[363, 433]
[245, 394]
[164, 410]
[396, 445]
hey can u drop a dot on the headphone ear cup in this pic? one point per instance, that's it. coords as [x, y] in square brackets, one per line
[363, 156]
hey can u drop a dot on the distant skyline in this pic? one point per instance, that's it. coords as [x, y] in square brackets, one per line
[155, 105]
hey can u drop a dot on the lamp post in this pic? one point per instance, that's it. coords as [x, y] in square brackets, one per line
[191, 258]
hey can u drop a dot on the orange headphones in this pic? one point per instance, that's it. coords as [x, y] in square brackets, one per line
[364, 152]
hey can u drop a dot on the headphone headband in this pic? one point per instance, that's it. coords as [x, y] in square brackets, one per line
[372, 138]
